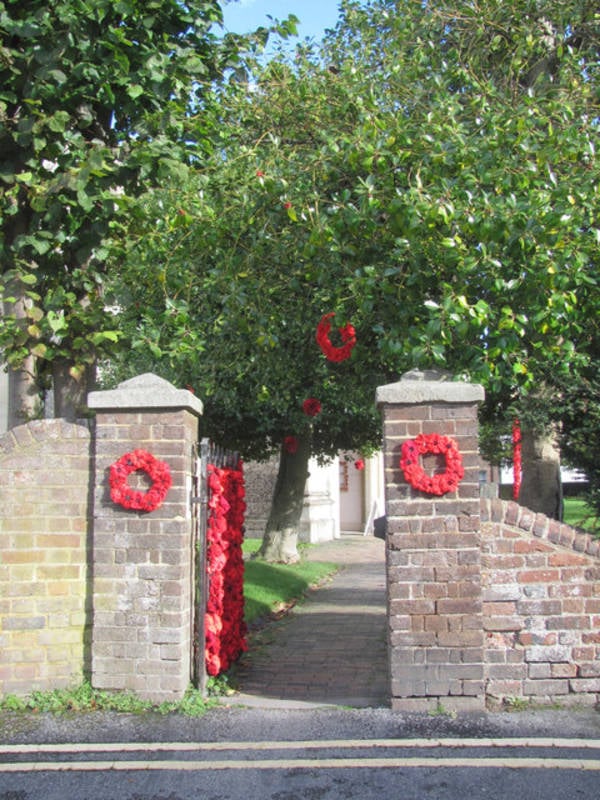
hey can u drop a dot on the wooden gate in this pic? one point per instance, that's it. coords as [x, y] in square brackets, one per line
[207, 457]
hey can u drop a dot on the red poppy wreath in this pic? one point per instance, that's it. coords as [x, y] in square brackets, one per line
[123, 495]
[414, 473]
[329, 350]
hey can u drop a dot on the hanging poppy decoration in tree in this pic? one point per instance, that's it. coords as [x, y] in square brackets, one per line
[517, 459]
[415, 475]
[329, 350]
[311, 406]
[290, 444]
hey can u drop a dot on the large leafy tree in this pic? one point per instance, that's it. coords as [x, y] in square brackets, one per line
[429, 176]
[576, 411]
[522, 77]
[238, 268]
[96, 101]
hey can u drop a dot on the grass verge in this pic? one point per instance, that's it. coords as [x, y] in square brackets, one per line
[270, 589]
[579, 514]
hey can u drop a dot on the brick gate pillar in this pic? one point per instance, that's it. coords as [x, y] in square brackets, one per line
[433, 551]
[142, 563]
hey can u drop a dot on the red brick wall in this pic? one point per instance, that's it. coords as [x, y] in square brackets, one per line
[541, 607]
[487, 600]
[44, 492]
[433, 568]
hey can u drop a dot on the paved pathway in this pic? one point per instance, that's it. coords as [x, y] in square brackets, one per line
[331, 649]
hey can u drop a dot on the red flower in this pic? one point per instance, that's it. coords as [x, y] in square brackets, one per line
[290, 443]
[287, 204]
[311, 406]
[359, 464]
[260, 173]
[416, 476]
[330, 351]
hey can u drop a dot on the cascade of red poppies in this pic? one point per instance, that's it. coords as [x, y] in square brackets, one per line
[225, 628]
[517, 464]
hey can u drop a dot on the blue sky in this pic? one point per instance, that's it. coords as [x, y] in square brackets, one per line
[243, 16]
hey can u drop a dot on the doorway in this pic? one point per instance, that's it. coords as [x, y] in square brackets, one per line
[352, 494]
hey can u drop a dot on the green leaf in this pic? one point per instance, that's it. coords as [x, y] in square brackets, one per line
[105, 336]
[85, 201]
[58, 121]
[56, 322]
[35, 313]
[39, 350]
[135, 90]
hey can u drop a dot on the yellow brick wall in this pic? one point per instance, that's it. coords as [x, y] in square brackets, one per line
[44, 499]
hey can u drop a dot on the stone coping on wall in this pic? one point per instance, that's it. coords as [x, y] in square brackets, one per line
[41, 430]
[510, 513]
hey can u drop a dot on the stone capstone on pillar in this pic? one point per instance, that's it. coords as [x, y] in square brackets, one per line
[428, 386]
[145, 391]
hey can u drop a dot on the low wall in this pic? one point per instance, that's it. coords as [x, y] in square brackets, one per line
[489, 603]
[487, 600]
[541, 607]
[44, 523]
[88, 588]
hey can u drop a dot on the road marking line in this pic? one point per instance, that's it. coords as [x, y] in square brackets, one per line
[305, 763]
[155, 747]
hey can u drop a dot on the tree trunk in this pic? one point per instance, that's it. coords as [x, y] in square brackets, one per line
[281, 535]
[70, 394]
[24, 401]
[541, 489]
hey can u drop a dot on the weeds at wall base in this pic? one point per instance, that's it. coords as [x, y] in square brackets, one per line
[517, 705]
[86, 699]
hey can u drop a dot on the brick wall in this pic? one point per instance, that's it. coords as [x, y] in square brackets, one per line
[433, 556]
[67, 552]
[541, 607]
[487, 600]
[143, 583]
[143, 564]
[44, 491]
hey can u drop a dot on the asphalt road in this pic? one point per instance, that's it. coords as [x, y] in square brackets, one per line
[300, 754]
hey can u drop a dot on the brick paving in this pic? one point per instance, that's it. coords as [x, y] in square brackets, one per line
[331, 649]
